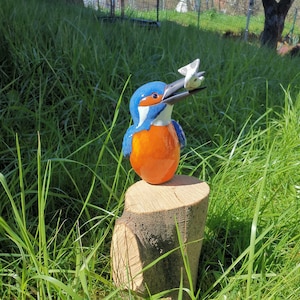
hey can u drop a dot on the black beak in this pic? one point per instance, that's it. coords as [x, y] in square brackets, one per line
[171, 95]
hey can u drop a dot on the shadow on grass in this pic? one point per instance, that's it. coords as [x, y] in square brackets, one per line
[225, 240]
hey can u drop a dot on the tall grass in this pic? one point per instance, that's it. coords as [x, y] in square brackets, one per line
[66, 79]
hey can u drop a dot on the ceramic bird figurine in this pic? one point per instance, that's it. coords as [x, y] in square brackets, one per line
[154, 140]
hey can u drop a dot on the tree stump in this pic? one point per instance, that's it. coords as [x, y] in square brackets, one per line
[154, 217]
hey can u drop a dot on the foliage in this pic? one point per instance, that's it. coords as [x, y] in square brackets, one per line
[66, 79]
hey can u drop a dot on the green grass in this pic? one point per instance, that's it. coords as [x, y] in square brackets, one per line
[211, 20]
[66, 80]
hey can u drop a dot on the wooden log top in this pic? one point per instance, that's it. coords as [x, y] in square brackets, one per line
[181, 191]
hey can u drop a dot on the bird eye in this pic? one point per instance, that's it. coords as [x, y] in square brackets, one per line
[152, 99]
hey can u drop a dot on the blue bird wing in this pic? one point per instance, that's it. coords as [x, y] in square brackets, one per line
[127, 141]
[180, 134]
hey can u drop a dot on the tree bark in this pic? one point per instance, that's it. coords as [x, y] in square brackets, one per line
[275, 14]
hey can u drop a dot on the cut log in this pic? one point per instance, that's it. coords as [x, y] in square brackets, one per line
[154, 218]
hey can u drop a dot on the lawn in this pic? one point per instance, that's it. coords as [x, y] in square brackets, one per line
[66, 78]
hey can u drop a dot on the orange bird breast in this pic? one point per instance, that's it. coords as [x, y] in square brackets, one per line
[155, 153]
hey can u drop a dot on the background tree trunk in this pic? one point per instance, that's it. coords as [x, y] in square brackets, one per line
[275, 13]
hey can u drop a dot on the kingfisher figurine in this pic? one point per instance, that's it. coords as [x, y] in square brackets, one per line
[153, 142]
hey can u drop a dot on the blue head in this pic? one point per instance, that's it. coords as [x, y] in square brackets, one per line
[146, 104]
[151, 104]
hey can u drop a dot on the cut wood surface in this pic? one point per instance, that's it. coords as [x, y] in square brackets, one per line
[154, 217]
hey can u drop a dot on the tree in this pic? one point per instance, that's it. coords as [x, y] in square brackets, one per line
[275, 14]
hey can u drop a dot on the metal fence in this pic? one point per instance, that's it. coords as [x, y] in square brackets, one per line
[226, 6]
[233, 7]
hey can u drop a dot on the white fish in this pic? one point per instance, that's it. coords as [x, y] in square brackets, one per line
[193, 79]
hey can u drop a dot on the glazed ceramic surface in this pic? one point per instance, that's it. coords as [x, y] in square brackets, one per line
[154, 140]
